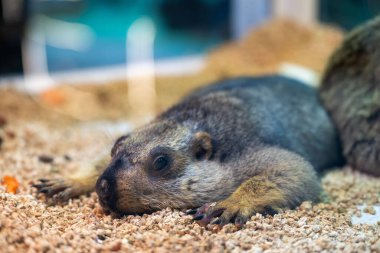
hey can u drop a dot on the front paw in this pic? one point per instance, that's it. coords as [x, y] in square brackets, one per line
[222, 213]
[229, 211]
[57, 191]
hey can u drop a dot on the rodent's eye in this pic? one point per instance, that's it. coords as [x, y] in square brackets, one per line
[161, 162]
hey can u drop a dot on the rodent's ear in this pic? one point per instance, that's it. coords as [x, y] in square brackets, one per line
[202, 146]
[117, 144]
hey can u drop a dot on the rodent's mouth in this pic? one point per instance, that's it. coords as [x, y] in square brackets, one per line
[117, 213]
[109, 208]
[114, 212]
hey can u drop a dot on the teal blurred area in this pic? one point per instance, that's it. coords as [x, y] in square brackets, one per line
[181, 30]
[348, 14]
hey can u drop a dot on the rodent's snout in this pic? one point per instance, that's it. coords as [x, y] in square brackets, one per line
[106, 193]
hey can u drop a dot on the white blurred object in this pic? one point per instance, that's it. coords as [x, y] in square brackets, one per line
[43, 31]
[140, 69]
[247, 14]
[303, 11]
[366, 218]
[34, 60]
[299, 73]
[250, 13]
[62, 34]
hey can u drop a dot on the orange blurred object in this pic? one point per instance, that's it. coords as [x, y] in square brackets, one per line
[53, 97]
[11, 184]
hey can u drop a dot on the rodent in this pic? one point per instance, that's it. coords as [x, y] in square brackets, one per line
[251, 145]
[350, 91]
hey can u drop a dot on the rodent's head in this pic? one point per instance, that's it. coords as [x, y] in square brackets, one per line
[161, 165]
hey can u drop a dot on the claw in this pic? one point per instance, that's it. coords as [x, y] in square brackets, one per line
[55, 189]
[38, 186]
[240, 221]
[205, 214]
[62, 196]
[192, 211]
[215, 212]
[203, 209]
[226, 218]
[215, 221]
[219, 215]
[42, 185]
[198, 217]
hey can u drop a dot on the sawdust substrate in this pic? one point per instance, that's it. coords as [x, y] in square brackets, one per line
[27, 224]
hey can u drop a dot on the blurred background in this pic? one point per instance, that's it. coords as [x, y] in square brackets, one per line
[48, 42]
[64, 35]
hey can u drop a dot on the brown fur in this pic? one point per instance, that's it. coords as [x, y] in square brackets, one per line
[351, 93]
[277, 187]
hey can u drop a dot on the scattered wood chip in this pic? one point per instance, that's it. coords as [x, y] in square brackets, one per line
[67, 158]
[45, 159]
[370, 210]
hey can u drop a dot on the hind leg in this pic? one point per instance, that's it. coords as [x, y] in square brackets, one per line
[283, 181]
[82, 182]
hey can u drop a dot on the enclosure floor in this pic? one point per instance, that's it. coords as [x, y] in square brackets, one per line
[27, 224]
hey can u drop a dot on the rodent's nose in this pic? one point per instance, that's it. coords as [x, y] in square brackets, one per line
[105, 192]
[104, 188]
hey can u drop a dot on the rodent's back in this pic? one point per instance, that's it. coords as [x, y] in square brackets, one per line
[262, 111]
[350, 90]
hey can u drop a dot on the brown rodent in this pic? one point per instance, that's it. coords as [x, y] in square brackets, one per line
[350, 91]
[253, 144]
[249, 144]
